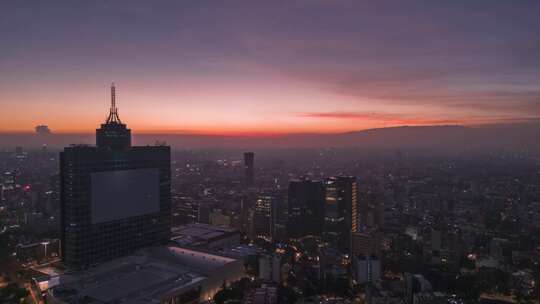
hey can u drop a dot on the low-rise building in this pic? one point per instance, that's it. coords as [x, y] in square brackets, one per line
[152, 275]
[205, 236]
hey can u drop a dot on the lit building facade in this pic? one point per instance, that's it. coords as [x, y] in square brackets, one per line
[341, 208]
[264, 215]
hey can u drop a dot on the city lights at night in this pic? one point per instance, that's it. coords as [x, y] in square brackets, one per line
[269, 152]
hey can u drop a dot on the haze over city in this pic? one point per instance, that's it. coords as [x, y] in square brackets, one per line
[270, 152]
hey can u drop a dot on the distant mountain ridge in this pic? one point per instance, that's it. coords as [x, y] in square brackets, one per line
[515, 136]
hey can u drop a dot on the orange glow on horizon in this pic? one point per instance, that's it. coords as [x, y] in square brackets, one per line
[315, 70]
[268, 131]
[230, 110]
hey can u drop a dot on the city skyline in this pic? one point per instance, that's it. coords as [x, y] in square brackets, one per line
[270, 152]
[268, 68]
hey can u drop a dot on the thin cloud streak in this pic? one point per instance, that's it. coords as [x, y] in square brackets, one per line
[399, 119]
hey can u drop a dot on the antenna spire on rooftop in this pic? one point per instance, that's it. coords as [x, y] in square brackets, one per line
[113, 113]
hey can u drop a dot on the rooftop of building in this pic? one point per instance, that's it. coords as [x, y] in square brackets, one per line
[199, 234]
[240, 251]
[144, 277]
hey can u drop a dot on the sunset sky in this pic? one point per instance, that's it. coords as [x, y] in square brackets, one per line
[265, 67]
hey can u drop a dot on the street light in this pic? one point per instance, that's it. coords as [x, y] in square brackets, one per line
[45, 243]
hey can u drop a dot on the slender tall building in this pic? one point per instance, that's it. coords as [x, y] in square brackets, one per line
[249, 174]
[305, 208]
[341, 209]
[115, 198]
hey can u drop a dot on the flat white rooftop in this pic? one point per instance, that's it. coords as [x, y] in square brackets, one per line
[144, 277]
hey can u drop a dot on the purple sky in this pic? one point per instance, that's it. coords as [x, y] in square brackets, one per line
[219, 67]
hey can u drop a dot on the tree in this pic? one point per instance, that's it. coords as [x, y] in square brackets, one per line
[286, 295]
[235, 292]
[12, 293]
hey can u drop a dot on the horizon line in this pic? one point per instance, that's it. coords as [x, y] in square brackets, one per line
[268, 134]
[228, 134]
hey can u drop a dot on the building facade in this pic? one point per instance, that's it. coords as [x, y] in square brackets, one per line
[306, 201]
[249, 168]
[115, 198]
[341, 209]
[264, 214]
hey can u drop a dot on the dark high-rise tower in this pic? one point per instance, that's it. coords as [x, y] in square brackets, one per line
[341, 214]
[249, 161]
[113, 133]
[306, 208]
[264, 216]
[115, 198]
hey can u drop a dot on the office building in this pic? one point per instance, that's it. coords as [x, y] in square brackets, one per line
[115, 198]
[218, 218]
[306, 201]
[263, 219]
[249, 174]
[364, 244]
[414, 284]
[8, 180]
[341, 209]
[265, 268]
[270, 268]
[436, 240]
[262, 295]
[367, 269]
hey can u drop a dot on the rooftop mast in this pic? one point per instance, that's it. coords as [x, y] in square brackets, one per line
[113, 113]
